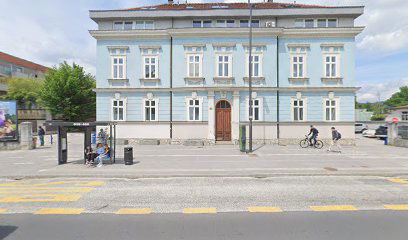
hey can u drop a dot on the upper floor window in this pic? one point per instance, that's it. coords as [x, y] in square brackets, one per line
[323, 23]
[331, 60]
[331, 66]
[118, 67]
[298, 61]
[194, 63]
[202, 23]
[150, 63]
[311, 23]
[256, 65]
[129, 25]
[224, 65]
[225, 23]
[245, 23]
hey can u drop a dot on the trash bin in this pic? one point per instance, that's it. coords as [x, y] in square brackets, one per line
[128, 155]
[242, 138]
[93, 138]
[385, 140]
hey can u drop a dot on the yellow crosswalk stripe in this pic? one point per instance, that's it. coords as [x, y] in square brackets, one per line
[45, 211]
[264, 209]
[3, 210]
[397, 207]
[90, 184]
[199, 210]
[45, 189]
[41, 198]
[333, 208]
[398, 180]
[134, 211]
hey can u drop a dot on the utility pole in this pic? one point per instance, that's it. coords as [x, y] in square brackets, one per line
[250, 76]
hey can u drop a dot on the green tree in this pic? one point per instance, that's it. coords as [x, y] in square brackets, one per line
[24, 90]
[399, 98]
[67, 91]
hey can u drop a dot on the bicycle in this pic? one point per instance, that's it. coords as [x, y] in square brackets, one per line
[305, 143]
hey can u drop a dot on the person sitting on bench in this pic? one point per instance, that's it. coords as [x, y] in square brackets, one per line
[100, 151]
[89, 155]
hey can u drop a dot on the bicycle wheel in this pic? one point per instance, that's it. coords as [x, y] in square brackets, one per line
[319, 144]
[304, 143]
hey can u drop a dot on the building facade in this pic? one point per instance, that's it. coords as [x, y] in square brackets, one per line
[177, 72]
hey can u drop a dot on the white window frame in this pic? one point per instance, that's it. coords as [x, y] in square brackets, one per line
[260, 64]
[304, 107]
[260, 108]
[156, 107]
[156, 65]
[247, 26]
[113, 100]
[200, 65]
[200, 108]
[404, 116]
[337, 65]
[113, 57]
[292, 65]
[202, 23]
[337, 109]
[122, 27]
[217, 62]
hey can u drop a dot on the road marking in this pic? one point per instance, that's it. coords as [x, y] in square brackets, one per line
[90, 184]
[23, 163]
[398, 180]
[199, 210]
[397, 207]
[45, 189]
[3, 210]
[333, 208]
[264, 209]
[41, 198]
[134, 211]
[45, 211]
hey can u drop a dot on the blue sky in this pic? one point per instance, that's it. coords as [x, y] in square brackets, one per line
[51, 31]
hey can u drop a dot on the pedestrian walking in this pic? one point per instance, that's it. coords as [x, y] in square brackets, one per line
[336, 136]
[41, 133]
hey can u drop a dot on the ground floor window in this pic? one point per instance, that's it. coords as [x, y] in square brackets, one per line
[118, 110]
[257, 109]
[298, 110]
[404, 116]
[330, 108]
[194, 109]
[150, 110]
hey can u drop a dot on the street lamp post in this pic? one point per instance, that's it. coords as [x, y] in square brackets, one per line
[250, 76]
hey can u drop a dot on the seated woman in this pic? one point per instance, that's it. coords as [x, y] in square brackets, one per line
[100, 151]
[107, 151]
[89, 155]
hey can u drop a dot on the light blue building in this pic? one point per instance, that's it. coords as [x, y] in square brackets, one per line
[176, 72]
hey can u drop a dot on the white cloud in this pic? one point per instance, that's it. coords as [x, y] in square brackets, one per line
[380, 91]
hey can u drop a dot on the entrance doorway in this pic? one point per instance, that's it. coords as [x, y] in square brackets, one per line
[223, 121]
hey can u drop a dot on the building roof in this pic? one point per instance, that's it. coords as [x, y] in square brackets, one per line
[209, 6]
[22, 62]
[401, 107]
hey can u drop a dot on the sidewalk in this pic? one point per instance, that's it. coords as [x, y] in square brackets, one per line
[370, 157]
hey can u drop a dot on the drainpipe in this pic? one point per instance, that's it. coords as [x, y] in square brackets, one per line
[277, 91]
[171, 82]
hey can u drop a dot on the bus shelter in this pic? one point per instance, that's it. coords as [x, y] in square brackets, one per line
[87, 128]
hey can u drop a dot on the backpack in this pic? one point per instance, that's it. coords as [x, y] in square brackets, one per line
[338, 136]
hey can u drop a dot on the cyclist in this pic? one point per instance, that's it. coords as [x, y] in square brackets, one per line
[313, 135]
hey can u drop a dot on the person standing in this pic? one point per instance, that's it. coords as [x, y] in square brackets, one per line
[313, 135]
[336, 136]
[41, 133]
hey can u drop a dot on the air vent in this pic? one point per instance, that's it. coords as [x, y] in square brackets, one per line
[219, 6]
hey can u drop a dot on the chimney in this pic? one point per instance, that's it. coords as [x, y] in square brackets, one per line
[171, 1]
[271, 1]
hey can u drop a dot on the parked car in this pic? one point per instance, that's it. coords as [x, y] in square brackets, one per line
[370, 133]
[360, 127]
[381, 132]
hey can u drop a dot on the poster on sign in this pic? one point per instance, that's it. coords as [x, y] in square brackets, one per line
[8, 120]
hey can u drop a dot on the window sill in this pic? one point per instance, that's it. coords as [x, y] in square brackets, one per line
[116, 82]
[224, 80]
[150, 79]
[326, 79]
[293, 79]
[194, 81]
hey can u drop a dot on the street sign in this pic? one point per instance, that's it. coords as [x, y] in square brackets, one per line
[395, 120]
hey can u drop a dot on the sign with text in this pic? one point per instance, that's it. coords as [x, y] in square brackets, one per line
[8, 120]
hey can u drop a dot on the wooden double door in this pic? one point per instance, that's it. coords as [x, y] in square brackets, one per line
[223, 121]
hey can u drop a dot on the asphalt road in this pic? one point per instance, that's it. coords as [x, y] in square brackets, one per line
[288, 225]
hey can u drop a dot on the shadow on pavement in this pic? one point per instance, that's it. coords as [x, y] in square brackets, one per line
[6, 231]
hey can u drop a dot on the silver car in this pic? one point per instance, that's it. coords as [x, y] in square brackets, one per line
[360, 127]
